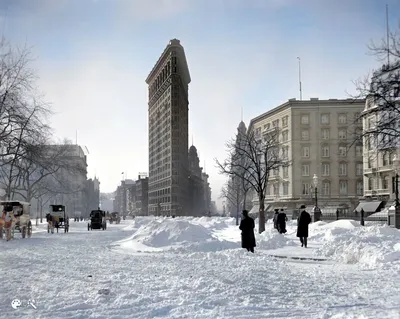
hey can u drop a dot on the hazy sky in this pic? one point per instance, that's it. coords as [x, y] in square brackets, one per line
[93, 57]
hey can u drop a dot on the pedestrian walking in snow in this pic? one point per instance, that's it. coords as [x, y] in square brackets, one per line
[281, 222]
[303, 221]
[247, 228]
[275, 219]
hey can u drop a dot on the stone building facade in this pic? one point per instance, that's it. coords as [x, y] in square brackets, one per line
[318, 136]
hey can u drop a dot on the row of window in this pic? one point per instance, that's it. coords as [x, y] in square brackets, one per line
[308, 188]
[325, 134]
[386, 159]
[385, 183]
[326, 169]
[325, 118]
[325, 151]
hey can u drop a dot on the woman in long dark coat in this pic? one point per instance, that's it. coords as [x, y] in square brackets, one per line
[303, 221]
[247, 228]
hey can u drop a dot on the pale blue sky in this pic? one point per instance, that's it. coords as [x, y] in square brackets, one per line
[93, 57]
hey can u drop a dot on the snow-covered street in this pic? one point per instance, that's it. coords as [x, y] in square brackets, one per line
[195, 268]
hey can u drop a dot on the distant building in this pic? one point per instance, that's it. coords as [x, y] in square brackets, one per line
[142, 189]
[196, 185]
[168, 108]
[125, 197]
[92, 196]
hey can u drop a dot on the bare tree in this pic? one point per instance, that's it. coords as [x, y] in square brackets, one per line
[382, 93]
[233, 193]
[23, 114]
[257, 155]
[43, 170]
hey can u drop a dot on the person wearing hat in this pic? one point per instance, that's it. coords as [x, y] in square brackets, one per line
[247, 228]
[281, 222]
[303, 221]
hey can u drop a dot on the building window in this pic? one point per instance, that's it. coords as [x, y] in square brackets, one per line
[325, 119]
[275, 171]
[305, 135]
[305, 119]
[305, 151]
[306, 189]
[343, 187]
[360, 188]
[391, 158]
[342, 169]
[305, 170]
[285, 172]
[385, 182]
[359, 169]
[326, 188]
[276, 189]
[275, 123]
[370, 183]
[369, 162]
[359, 151]
[385, 159]
[258, 131]
[325, 134]
[342, 134]
[326, 169]
[285, 152]
[342, 118]
[325, 151]
[342, 151]
[285, 120]
[285, 188]
[285, 136]
[266, 126]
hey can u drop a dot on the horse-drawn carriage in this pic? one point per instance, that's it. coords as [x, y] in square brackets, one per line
[97, 220]
[15, 217]
[57, 218]
[114, 217]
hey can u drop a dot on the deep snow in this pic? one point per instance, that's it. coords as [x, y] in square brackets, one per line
[195, 268]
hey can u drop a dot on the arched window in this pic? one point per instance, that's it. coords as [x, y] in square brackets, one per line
[370, 183]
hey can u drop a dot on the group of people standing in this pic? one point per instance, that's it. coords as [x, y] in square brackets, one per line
[247, 227]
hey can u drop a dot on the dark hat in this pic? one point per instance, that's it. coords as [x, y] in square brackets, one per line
[303, 206]
[245, 212]
[282, 209]
[277, 209]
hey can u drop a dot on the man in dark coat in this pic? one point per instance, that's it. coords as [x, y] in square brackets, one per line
[281, 222]
[303, 221]
[275, 219]
[247, 228]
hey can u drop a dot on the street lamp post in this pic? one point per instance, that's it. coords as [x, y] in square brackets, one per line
[317, 211]
[396, 167]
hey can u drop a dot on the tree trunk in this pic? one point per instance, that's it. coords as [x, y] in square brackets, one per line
[261, 215]
[244, 200]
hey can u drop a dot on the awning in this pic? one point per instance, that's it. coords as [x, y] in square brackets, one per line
[369, 207]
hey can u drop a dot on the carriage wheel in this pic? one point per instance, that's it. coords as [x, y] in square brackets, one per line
[23, 231]
[29, 233]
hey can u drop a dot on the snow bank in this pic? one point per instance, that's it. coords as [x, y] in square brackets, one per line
[271, 239]
[346, 241]
[168, 233]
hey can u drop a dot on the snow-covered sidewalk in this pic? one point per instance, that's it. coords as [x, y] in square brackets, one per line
[195, 268]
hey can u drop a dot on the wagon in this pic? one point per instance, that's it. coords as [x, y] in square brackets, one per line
[97, 220]
[57, 218]
[15, 218]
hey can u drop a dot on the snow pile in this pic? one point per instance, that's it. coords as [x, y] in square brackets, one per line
[346, 241]
[181, 234]
[271, 239]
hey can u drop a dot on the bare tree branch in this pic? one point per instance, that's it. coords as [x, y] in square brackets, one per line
[251, 157]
